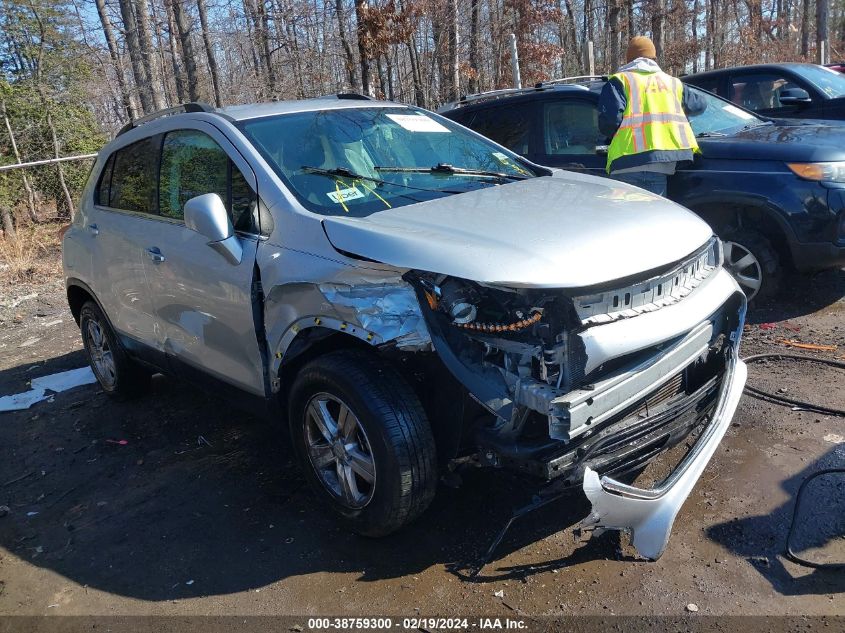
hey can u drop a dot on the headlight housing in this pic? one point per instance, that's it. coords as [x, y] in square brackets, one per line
[827, 172]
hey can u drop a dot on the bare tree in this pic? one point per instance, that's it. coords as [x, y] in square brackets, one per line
[209, 52]
[361, 9]
[822, 22]
[189, 58]
[108, 33]
[349, 57]
[139, 70]
[145, 41]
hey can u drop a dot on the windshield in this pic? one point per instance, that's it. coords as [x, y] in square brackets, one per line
[827, 80]
[357, 161]
[721, 117]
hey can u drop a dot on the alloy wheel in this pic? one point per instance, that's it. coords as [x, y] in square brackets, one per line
[745, 268]
[102, 357]
[339, 450]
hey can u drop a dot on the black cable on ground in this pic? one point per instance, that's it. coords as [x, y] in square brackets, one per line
[789, 553]
[789, 402]
[809, 406]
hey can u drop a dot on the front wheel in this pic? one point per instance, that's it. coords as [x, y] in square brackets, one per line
[363, 440]
[753, 262]
[118, 375]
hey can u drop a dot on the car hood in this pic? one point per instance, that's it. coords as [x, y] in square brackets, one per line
[562, 231]
[789, 140]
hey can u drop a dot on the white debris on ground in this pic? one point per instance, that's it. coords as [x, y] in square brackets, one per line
[39, 388]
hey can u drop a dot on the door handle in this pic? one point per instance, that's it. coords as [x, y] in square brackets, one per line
[155, 254]
[93, 229]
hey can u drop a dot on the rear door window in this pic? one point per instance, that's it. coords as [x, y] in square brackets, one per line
[710, 84]
[509, 126]
[571, 127]
[193, 164]
[133, 178]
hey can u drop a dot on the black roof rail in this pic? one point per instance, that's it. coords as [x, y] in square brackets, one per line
[195, 106]
[354, 96]
[575, 80]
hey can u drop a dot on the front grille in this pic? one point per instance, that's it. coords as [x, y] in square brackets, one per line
[664, 393]
[651, 294]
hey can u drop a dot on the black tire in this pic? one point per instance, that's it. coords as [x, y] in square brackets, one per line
[396, 437]
[767, 262]
[121, 378]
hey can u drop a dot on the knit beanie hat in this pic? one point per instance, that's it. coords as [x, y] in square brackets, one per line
[640, 46]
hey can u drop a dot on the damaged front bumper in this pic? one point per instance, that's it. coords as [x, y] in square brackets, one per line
[650, 513]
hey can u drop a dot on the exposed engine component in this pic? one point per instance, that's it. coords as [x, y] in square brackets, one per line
[459, 301]
[503, 327]
[470, 309]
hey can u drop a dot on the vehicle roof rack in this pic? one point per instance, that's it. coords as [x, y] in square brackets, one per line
[355, 96]
[490, 94]
[194, 106]
[576, 79]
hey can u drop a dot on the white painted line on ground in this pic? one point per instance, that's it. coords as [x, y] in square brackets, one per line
[40, 386]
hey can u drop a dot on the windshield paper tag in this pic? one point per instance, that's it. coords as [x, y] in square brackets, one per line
[740, 113]
[344, 195]
[502, 158]
[417, 123]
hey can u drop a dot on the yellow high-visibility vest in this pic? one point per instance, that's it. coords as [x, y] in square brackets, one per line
[654, 117]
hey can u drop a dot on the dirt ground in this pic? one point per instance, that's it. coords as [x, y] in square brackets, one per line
[202, 511]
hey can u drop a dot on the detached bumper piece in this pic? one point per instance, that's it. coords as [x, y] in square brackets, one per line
[648, 514]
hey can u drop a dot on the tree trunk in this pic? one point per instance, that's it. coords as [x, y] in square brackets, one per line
[108, 33]
[264, 51]
[416, 72]
[209, 51]
[183, 27]
[695, 36]
[176, 54]
[8, 223]
[822, 31]
[30, 195]
[391, 90]
[613, 10]
[573, 36]
[139, 70]
[454, 62]
[349, 57]
[145, 40]
[657, 25]
[65, 191]
[361, 7]
[473, 45]
[805, 29]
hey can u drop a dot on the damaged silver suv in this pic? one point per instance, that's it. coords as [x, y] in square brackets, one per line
[410, 296]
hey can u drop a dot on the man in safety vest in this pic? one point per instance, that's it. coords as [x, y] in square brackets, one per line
[645, 111]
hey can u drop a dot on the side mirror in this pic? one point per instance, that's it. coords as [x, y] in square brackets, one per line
[207, 215]
[794, 96]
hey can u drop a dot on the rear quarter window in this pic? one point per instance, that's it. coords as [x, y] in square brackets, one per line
[101, 193]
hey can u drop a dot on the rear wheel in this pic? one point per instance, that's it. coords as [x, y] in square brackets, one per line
[117, 374]
[754, 263]
[363, 440]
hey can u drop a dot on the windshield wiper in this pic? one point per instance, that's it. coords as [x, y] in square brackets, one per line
[339, 172]
[751, 126]
[342, 172]
[446, 168]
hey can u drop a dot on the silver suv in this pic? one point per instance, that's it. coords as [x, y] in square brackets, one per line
[410, 297]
